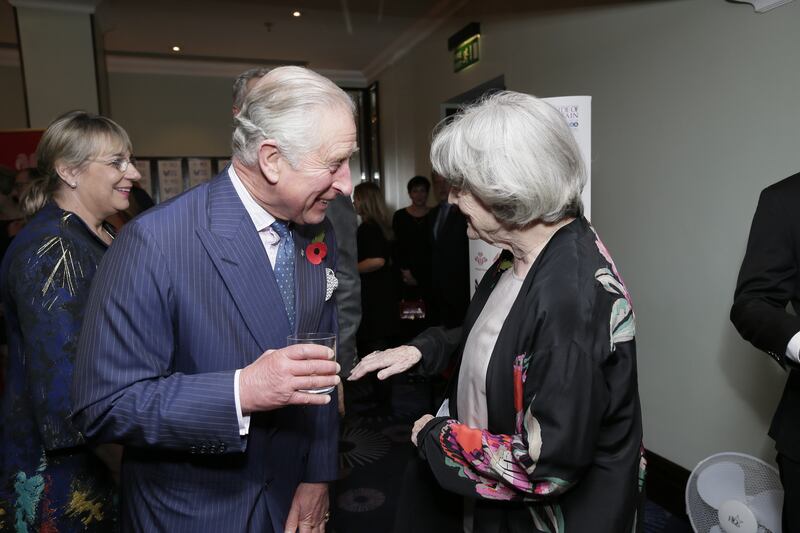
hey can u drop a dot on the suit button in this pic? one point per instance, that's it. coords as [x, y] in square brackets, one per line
[192, 449]
[222, 447]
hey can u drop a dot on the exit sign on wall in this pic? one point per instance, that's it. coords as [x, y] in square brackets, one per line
[467, 53]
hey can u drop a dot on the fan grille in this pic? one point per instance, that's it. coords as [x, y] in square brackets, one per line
[758, 477]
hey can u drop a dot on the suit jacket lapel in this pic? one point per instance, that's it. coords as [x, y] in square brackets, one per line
[237, 252]
[310, 280]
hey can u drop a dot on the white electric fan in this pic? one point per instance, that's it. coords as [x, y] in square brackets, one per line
[734, 493]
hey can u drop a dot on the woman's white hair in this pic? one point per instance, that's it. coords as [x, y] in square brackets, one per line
[286, 106]
[516, 154]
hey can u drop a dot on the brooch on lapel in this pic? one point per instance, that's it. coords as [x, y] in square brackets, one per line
[317, 250]
[504, 265]
[501, 267]
[330, 283]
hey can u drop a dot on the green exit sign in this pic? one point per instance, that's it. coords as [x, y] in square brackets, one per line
[467, 53]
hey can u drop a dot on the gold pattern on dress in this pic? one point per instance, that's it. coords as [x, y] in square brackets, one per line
[65, 271]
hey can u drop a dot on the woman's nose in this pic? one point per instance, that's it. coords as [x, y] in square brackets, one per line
[132, 173]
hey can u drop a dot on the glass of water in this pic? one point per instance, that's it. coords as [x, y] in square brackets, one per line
[325, 339]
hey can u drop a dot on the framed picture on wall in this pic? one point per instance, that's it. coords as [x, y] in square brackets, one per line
[170, 178]
[199, 170]
[144, 166]
[221, 164]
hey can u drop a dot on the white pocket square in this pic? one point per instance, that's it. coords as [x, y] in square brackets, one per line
[331, 283]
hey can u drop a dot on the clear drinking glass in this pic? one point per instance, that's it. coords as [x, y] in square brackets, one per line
[325, 339]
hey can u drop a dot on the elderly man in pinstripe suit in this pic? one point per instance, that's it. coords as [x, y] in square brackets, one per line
[183, 356]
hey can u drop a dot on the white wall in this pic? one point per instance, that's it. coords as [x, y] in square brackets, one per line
[694, 111]
[172, 115]
[178, 115]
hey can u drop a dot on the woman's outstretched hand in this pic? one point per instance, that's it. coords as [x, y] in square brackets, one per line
[418, 425]
[387, 362]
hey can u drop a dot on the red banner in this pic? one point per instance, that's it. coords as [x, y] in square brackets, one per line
[18, 148]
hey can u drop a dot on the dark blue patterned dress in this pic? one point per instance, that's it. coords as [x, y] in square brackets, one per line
[49, 479]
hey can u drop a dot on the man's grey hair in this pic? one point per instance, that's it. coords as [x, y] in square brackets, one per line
[516, 154]
[240, 85]
[286, 106]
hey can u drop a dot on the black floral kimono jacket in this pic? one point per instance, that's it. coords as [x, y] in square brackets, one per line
[563, 448]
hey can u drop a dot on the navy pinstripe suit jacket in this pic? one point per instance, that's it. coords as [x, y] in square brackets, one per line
[183, 298]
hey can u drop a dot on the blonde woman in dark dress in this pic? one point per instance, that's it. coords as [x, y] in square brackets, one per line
[51, 479]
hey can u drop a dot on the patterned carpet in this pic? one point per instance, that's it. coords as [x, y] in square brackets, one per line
[374, 448]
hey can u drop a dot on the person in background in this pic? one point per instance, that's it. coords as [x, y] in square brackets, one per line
[769, 279]
[343, 219]
[183, 357]
[377, 327]
[21, 181]
[51, 479]
[541, 430]
[9, 209]
[348, 295]
[449, 259]
[12, 187]
[412, 226]
[243, 84]
[7, 204]
[374, 267]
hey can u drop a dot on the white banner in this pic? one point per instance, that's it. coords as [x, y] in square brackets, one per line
[577, 111]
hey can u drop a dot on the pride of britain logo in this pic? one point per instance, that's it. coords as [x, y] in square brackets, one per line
[571, 114]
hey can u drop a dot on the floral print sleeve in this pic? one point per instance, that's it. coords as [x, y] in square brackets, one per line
[574, 396]
[552, 445]
[561, 446]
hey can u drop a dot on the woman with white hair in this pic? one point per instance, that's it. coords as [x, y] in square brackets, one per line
[541, 427]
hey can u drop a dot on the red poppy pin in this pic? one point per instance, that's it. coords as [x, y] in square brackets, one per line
[317, 250]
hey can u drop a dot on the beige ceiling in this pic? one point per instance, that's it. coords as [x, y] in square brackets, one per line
[330, 34]
[334, 35]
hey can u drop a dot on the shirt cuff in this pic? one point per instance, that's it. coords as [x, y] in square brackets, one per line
[793, 349]
[244, 421]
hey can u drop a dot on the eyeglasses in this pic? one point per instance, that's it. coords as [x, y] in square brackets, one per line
[119, 163]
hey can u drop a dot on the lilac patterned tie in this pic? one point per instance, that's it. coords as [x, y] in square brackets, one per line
[284, 267]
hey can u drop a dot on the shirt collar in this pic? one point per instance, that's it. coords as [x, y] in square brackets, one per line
[260, 217]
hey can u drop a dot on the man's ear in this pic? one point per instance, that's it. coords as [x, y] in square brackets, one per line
[268, 157]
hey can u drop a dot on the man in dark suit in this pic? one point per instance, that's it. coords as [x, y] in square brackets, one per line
[768, 280]
[450, 259]
[345, 224]
[184, 357]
